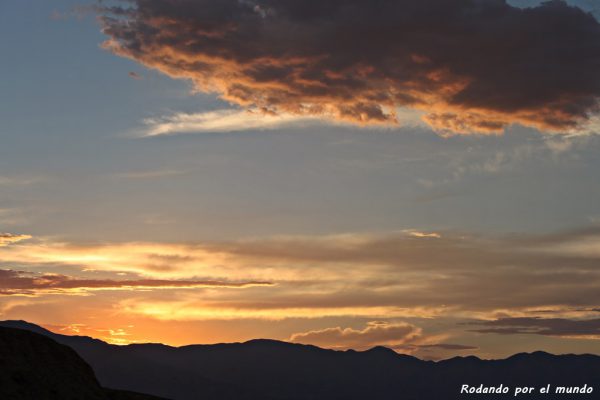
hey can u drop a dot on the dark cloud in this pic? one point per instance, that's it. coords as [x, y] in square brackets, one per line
[436, 351]
[135, 75]
[447, 346]
[587, 328]
[470, 65]
[26, 283]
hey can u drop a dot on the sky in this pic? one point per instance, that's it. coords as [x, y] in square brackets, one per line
[346, 174]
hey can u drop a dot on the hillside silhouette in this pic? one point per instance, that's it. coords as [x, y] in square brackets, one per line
[274, 370]
[34, 367]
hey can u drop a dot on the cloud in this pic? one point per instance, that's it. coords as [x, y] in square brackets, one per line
[374, 334]
[231, 308]
[373, 276]
[447, 346]
[220, 121]
[25, 283]
[560, 327]
[135, 75]
[9, 238]
[471, 66]
[587, 5]
[419, 234]
[433, 350]
[20, 180]
[152, 174]
[120, 336]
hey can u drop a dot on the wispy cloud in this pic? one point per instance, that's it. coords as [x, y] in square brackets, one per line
[419, 234]
[221, 121]
[20, 180]
[115, 335]
[10, 238]
[32, 284]
[151, 174]
[374, 334]
[559, 327]
[448, 346]
[400, 336]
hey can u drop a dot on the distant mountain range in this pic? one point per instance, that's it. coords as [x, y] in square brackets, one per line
[274, 370]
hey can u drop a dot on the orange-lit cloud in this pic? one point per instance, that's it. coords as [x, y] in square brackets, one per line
[9, 238]
[188, 308]
[374, 334]
[420, 234]
[152, 259]
[23, 283]
[395, 275]
[119, 336]
[470, 66]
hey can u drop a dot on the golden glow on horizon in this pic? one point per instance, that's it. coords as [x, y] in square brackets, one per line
[197, 310]
[302, 282]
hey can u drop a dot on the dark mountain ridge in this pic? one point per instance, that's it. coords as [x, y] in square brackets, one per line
[273, 370]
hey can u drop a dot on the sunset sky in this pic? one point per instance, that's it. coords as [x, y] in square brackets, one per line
[345, 173]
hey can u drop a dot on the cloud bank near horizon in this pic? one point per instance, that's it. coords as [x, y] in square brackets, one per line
[395, 274]
[348, 291]
[557, 327]
[471, 66]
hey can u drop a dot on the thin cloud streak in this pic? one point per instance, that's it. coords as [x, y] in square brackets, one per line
[10, 238]
[558, 327]
[149, 174]
[222, 121]
[31, 284]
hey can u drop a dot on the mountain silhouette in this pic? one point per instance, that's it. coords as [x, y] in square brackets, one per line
[35, 367]
[273, 370]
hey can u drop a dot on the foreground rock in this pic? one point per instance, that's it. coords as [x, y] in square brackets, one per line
[35, 367]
